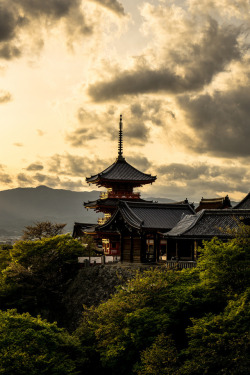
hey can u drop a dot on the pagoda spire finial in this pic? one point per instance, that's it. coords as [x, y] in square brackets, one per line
[120, 141]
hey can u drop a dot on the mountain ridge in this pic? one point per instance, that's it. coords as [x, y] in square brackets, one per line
[20, 207]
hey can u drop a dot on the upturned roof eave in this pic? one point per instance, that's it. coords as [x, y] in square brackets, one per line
[100, 179]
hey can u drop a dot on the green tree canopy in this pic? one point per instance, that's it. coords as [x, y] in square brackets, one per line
[33, 346]
[39, 273]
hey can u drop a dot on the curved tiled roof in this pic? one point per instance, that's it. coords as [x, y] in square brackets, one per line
[143, 215]
[214, 203]
[121, 171]
[209, 223]
[244, 204]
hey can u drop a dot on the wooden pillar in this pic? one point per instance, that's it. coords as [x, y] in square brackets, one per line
[131, 247]
[121, 245]
[143, 248]
[155, 246]
[176, 250]
[195, 249]
[158, 244]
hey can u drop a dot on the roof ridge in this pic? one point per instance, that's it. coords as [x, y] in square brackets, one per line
[131, 212]
[242, 201]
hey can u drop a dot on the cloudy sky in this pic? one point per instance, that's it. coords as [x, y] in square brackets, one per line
[178, 71]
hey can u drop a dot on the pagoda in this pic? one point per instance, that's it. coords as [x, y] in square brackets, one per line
[120, 179]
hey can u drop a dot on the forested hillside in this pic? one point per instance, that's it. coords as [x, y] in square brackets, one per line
[158, 321]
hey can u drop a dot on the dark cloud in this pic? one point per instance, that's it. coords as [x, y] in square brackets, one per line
[92, 124]
[177, 171]
[153, 110]
[201, 62]
[40, 177]
[23, 15]
[35, 167]
[53, 8]
[220, 122]
[5, 97]
[137, 133]
[23, 179]
[5, 178]
[138, 118]
[10, 20]
[178, 181]
[81, 136]
[76, 166]
[48, 180]
[138, 161]
[71, 185]
[114, 5]
[9, 52]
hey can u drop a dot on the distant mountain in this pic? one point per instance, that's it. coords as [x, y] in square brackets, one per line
[24, 206]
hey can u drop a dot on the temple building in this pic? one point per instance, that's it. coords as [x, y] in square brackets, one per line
[192, 230]
[138, 226]
[214, 203]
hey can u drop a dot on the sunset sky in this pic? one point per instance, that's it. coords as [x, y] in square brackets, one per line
[178, 71]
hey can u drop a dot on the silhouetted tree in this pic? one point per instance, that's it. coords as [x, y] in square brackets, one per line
[42, 229]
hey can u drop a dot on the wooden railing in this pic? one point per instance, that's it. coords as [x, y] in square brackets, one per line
[119, 195]
[173, 264]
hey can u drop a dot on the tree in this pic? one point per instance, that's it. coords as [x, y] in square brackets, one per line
[5, 257]
[42, 229]
[225, 266]
[38, 275]
[160, 358]
[33, 346]
[220, 344]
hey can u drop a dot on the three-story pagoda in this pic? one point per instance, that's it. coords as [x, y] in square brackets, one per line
[120, 179]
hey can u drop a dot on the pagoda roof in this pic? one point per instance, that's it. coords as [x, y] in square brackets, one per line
[244, 204]
[208, 224]
[121, 171]
[146, 215]
[214, 203]
[108, 202]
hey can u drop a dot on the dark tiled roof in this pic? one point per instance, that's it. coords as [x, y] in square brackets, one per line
[245, 203]
[160, 216]
[101, 202]
[80, 228]
[214, 203]
[107, 202]
[121, 171]
[208, 223]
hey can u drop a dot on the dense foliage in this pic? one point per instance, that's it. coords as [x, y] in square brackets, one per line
[190, 322]
[33, 346]
[185, 322]
[38, 274]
